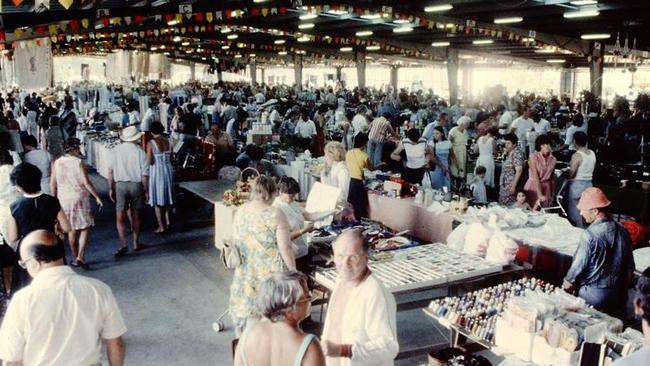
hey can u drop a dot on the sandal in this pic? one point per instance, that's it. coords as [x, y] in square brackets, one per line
[74, 264]
[83, 265]
[120, 252]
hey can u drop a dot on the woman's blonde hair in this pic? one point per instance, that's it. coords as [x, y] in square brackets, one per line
[335, 150]
[263, 188]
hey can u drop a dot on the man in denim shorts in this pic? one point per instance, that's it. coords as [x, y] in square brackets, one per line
[128, 179]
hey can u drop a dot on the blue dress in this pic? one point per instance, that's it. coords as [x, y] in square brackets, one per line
[440, 177]
[161, 178]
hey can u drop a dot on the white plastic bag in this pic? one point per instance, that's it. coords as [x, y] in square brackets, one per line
[477, 239]
[501, 249]
[456, 238]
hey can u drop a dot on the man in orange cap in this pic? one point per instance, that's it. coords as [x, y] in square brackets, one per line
[603, 265]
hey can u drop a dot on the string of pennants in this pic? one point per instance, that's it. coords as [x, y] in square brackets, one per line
[66, 30]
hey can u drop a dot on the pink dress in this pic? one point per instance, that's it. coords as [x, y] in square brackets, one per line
[545, 169]
[73, 196]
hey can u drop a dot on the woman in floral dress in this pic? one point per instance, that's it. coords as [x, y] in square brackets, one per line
[511, 169]
[261, 233]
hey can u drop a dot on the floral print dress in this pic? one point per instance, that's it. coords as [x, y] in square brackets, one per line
[508, 171]
[255, 235]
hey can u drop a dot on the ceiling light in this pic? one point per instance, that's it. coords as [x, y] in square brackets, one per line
[401, 21]
[450, 25]
[556, 61]
[226, 30]
[368, 58]
[172, 22]
[584, 2]
[252, 55]
[225, 47]
[545, 50]
[203, 58]
[259, 1]
[186, 43]
[177, 39]
[372, 16]
[154, 48]
[402, 29]
[308, 16]
[373, 48]
[440, 44]
[282, 53]
[279, 41]
[346, 49]
[159, 2]
[528, 39]
[437, 8]
[582, 14]
[483, 41]
[508, 20]
[232, 36]
[596, 36]
[306, 26]
[364, 33]
[303, 39]
[238, 55]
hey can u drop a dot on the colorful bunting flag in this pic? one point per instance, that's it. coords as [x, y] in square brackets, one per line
[65, 3]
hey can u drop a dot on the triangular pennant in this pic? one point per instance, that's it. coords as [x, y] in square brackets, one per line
[265, 11]
[41, 5]
[218, 15]
[18, 32]
[127, 20]
[85, 23]
[116, 21]
[179, 18]
[65, 3]
[53, 29]
[156, 32]
[17, 2]
[209, 16]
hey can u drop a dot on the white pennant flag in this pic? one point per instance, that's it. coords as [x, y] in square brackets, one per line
[41, 5]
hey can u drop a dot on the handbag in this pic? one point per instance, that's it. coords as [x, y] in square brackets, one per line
[230, 255]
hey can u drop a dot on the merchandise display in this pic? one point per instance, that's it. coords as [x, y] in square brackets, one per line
[420, 266]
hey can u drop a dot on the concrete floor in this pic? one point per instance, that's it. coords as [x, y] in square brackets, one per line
[171, 292]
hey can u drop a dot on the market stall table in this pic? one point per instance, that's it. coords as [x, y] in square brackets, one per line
[401, 214]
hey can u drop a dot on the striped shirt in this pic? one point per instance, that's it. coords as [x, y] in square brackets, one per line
[380, 127]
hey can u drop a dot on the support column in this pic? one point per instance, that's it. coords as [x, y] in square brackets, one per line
[297, 70]
[219, 75]
[393, 77]
[452, 74]
[567, 82]
[596, 69]
[361, 69]
[253, 71]
[192, 71]
[338, 73]
[263, 75]
[468, 75]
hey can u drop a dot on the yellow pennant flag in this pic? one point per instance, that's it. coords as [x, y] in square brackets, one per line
[66, 3]
[85, 23]
[18, 32]
[208, 16]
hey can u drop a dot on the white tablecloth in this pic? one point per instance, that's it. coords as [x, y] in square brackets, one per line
[99, 156]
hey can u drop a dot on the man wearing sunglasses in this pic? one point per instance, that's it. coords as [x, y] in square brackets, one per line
[360, 325]
[61, 318]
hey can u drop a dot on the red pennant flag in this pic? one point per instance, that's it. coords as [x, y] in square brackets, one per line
[106, 21]
[255, 11]
[2, 36]
[169, 17]
[74, 25]
[210, 28]
[138, 19]
[40, 30]
[228, 14]
[358, 11]
[283, 10]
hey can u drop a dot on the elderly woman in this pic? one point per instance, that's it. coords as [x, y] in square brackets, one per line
[458, 137]
[511, 169]
[336, 173]
[642, 310]
[298, 220]
[284, 301]
[261, 232]
[70, 184]
[541, 166]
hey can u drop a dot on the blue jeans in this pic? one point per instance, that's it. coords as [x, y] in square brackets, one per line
[575, 189]
[375, 151]
[609, 300]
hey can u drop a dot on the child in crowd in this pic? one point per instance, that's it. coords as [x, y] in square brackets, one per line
[521, 202]
[477, 184]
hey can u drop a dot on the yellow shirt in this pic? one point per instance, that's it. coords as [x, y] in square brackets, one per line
[356, 161]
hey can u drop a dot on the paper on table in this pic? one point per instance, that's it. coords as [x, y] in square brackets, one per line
[322, 197]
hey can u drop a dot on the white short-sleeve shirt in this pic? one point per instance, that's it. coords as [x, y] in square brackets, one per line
[61, 318]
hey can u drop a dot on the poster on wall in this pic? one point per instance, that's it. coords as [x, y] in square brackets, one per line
[85, 72]
[33, 63]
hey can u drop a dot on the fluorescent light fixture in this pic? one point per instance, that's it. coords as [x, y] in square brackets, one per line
[303, 39]
[596, 36]
[225, 47]
[401, 21]
[232, 36]
[372, 16]
[308, 16]
[337, 12]
[186, 43]
[280, 41]
[528, 39]
[259, 1]
[556, 61]
[402, 29]
[584, 2]
[546, 50]
[226, 30]
[238, 55]
[483, 41]
[306, 26]
[440, 44]
[582, 13]
[252, 55]
[282, 53]
[438, 8]
[172, 22]
[154, 48]
[177, 39]
[346, 49]
[450, 25]
[203, 58]
[159, 2]
[373, 48]
[508, 20]
[364, 33]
